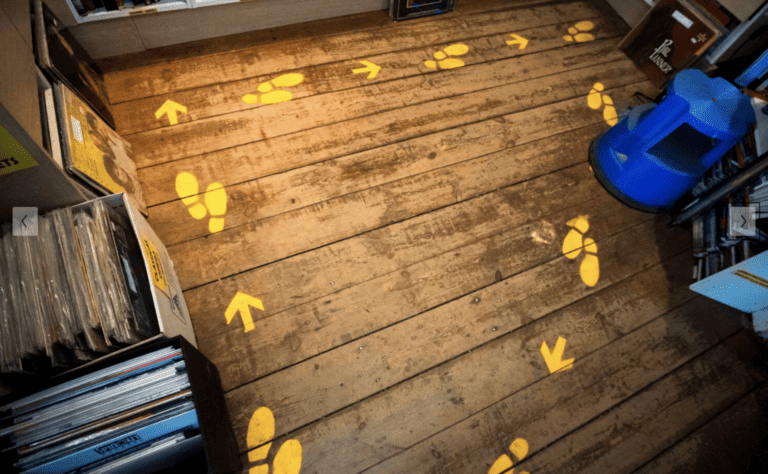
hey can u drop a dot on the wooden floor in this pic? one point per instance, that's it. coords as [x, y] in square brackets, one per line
[404, 230]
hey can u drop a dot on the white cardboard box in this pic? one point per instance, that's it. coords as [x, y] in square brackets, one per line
[167, 298]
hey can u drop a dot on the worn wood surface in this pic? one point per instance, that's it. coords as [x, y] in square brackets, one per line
[266, 158]
[152, 80]
[733, 441]
[484, 212]
[497, 95]
[319, 326]
[405, 235]
[210, 101]
[551, 408]
[499, 300]
[622, 439]
[272, 36]
[571, 398]
[260, 242]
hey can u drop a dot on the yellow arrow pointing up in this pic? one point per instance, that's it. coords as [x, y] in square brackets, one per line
[242, 302]
[518, 40]
[373, 69]
[554, 359]
[170, 107]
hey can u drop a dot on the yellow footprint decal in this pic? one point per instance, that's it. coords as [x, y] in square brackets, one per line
[270, 95]
[597, 99]
[578, 32]
[444, 62]
[575, 242]
[261, 429]
[519, 449]
[214, 200]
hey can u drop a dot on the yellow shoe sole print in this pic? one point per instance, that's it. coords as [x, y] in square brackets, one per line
[578, 32]
[575, 242]
[597, 99]
[270, 95]
[261, 429]
[519, 449]
[444, 62]
[214, 200]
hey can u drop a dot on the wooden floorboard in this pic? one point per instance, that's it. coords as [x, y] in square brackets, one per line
[485, 211]
[196, 72]
[405, 234]
[548, 410]
[734, 441]
[211, 101]
[624, 438]
[394, 297]
[315, 30]
[264, 241]
[377, 122]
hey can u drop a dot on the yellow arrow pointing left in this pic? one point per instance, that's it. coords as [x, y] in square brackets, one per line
[554, 358]
[519, 40]
[371, 68]
[170, 107]
[241, 303]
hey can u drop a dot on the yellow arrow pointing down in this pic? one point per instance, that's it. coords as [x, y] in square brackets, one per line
[554, 359]
[519, 40]
[241, 303]
[371, 68]
[170, 107]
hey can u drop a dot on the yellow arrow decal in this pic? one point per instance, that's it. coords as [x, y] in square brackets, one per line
[554, 359]
[371, 68]
[519, 40]
[241, 303]
[170, 107]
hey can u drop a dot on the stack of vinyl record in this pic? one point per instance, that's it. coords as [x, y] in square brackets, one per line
[85, 7]
[135, 416]
[79, 121]
[72, 292]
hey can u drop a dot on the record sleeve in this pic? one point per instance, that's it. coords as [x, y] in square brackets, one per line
[93, 151]
[61, 56]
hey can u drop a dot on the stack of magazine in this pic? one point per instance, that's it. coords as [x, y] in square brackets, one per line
[75, 291]
[135, 416]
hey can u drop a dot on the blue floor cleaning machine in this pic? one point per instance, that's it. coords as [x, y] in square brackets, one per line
[656, 153]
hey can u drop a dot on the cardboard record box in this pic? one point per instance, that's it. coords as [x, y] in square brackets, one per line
[167, 299]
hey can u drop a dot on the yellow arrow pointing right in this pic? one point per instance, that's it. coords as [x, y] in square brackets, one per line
[372, 69]
[519, 40]
[554, 358]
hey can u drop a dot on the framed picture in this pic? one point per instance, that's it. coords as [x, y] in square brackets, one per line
[405, 9]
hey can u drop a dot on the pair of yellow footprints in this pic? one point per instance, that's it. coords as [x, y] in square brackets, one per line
[269, 95]
[519, 449]
[597, 99]
[578, 32]
[443, 59]
[214, 200]
[575, 242]
[261, 429]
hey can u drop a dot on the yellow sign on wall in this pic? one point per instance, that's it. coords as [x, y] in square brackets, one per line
[13, 156]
